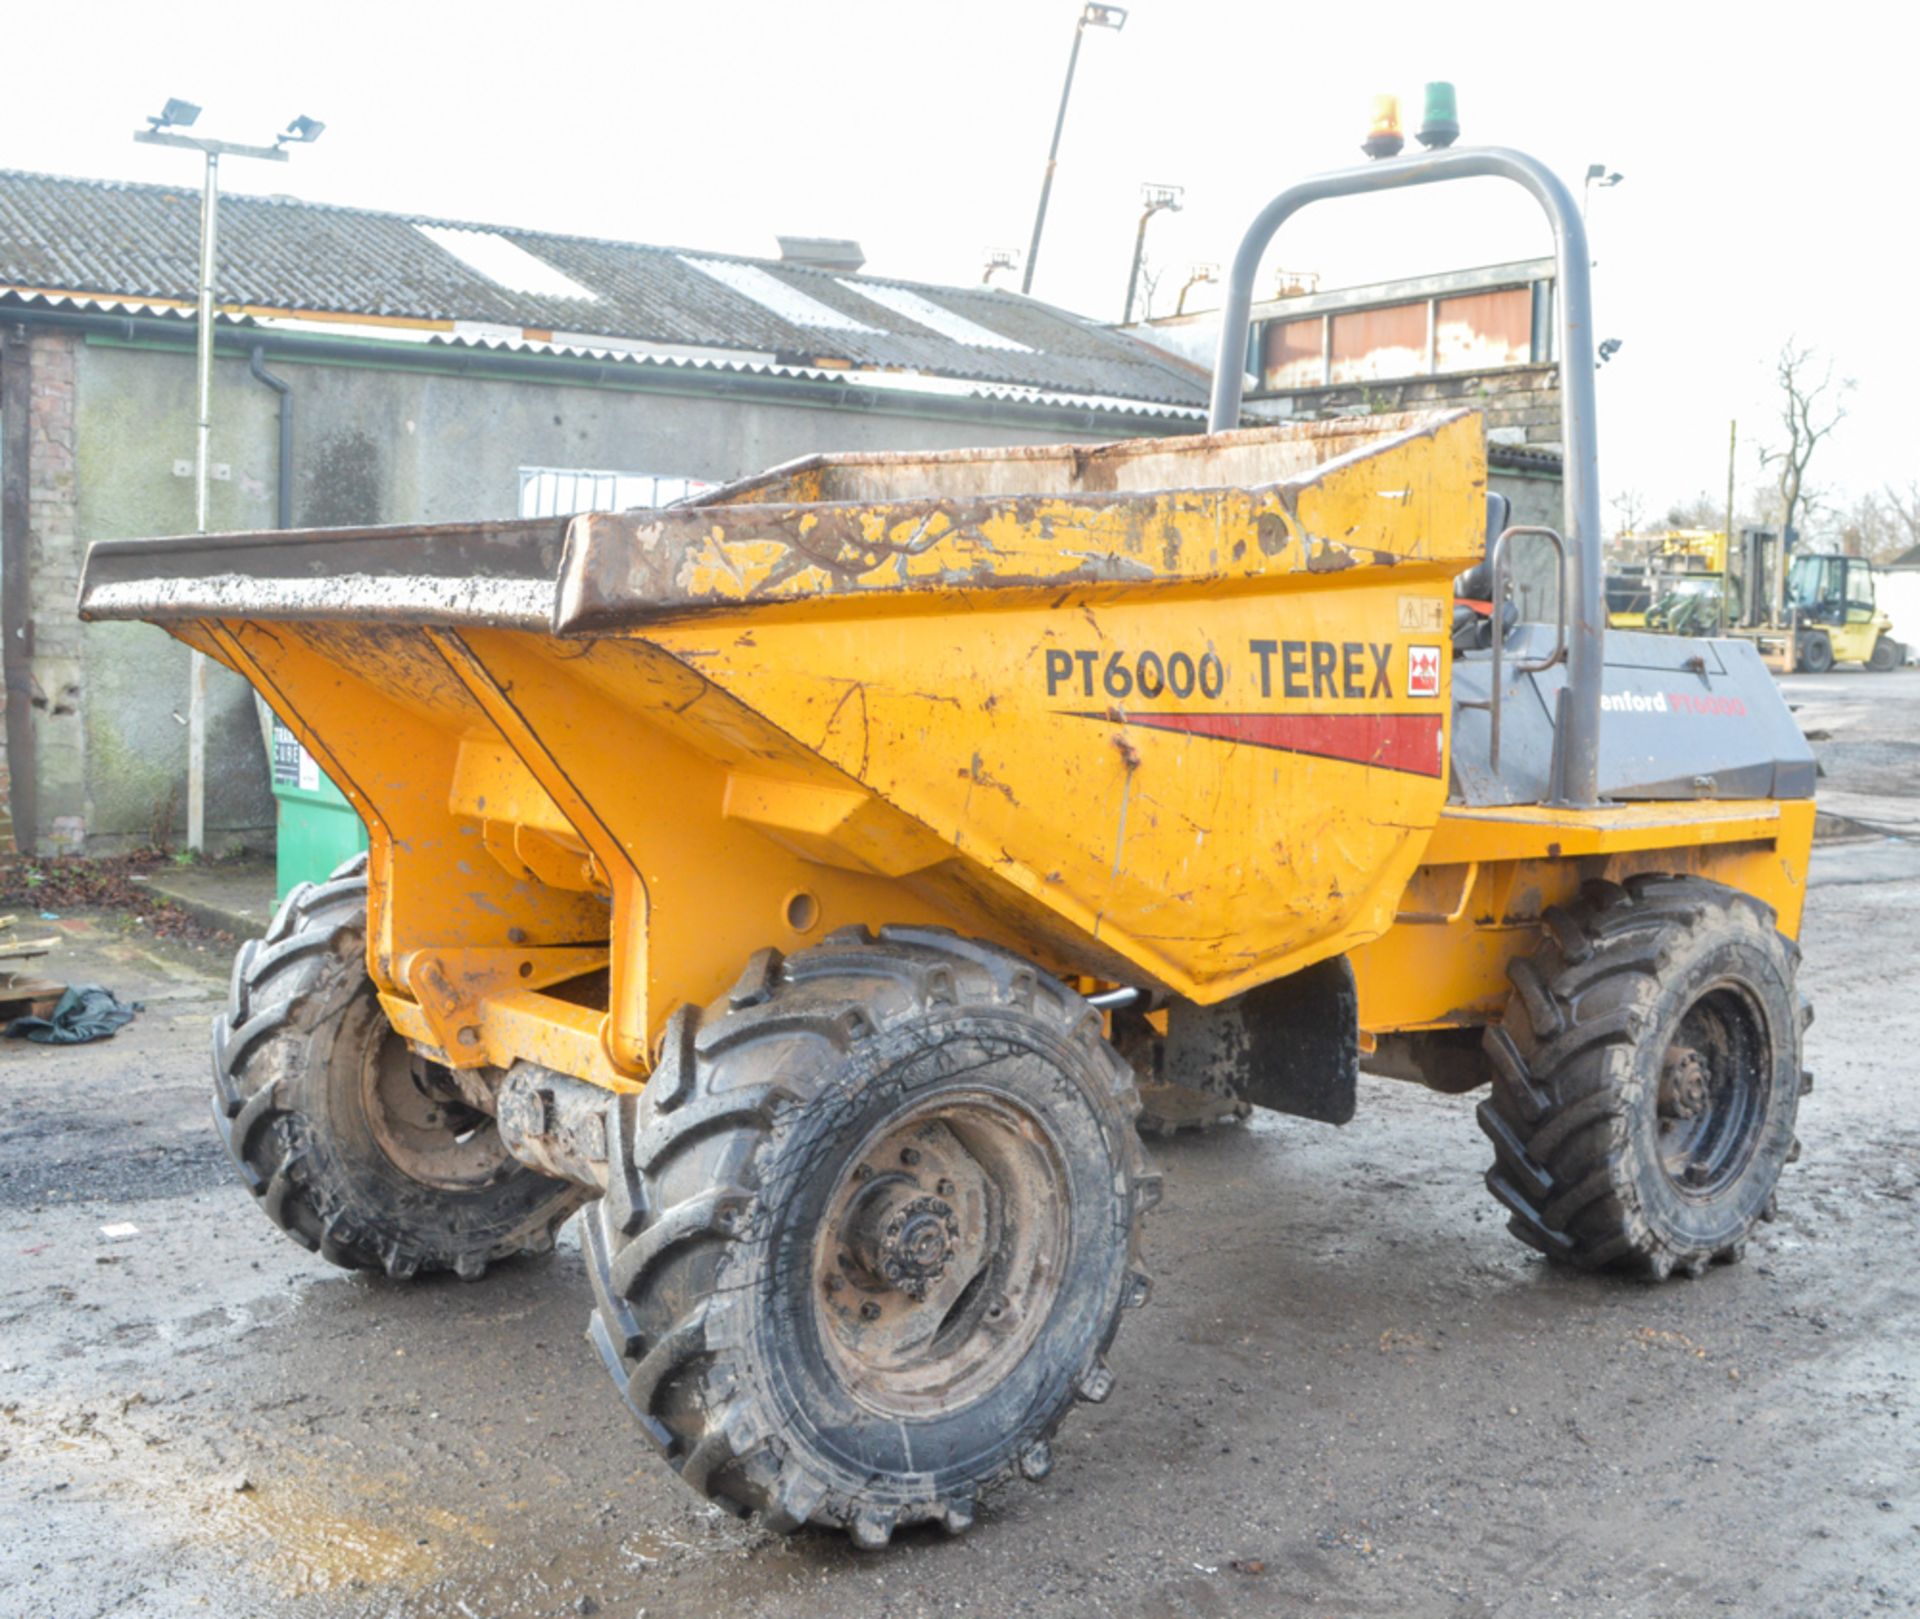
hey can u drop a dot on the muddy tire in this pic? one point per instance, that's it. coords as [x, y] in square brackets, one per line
[1646, 1078]
[869, 1230]
[316, 1099]
[1166, 1109]
[1816, 652]
[1887, 655]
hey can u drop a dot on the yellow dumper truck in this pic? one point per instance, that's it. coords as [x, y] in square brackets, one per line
[779, 875]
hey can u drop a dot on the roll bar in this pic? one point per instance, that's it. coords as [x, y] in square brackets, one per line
[1578, 778]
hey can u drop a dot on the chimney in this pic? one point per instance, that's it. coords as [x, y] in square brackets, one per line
[834, 253]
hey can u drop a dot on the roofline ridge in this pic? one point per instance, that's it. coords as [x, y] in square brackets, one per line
[281, 200]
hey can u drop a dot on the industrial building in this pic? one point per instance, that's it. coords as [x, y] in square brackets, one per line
[373, 368]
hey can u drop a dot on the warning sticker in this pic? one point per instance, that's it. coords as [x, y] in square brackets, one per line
[1423, 670]
[1422, 613]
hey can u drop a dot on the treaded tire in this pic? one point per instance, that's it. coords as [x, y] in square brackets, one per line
[1584, 1112]
[290, 1098]
[1816, 652]
[1887, 655]
[710, 1313]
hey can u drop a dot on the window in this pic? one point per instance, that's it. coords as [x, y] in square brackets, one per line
[1446, 334]
[779, 297]
[1859, 586]
[560, 491]
[1483, 330]
[1293, 357]
[1371, 345]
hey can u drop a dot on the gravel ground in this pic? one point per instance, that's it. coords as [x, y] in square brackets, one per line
[1352, 1393]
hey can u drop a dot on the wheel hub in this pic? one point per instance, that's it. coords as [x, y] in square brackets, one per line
[1686, 1083]
[1712, 1096]
[939, 1254]
[901, 1240]
[420, 1123]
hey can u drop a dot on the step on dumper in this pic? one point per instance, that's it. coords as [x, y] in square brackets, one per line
[787, 865]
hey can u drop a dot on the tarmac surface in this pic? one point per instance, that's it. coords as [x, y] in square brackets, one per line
[1352, 1393]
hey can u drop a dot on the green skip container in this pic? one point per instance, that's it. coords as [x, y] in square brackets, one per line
[318, 828]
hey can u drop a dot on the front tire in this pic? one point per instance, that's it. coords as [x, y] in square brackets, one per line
[869, 1230]
[1816, 652]
[349, 1151]
[1646, 1078]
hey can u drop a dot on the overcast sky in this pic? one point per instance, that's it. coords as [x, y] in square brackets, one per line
[1763, 150]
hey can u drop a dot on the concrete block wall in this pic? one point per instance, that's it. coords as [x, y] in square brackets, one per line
[372, 445]
[1521, 407]
[1521, 403]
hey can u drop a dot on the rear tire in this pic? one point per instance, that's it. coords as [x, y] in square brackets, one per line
[316, 1099]
[1887, 654]
[1816, 652]
[1647, 1077]
[868, 1231]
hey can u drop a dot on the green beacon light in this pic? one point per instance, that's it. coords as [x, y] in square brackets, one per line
[1440, 118]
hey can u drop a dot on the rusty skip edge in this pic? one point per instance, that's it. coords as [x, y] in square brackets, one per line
[441, 573]
[600, 573]
[593, 574]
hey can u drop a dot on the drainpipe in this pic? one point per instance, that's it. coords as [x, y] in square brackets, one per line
[16, 586]
[283, 474]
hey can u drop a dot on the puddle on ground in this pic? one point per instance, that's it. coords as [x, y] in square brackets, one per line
[301, 1526]
[337, 1530]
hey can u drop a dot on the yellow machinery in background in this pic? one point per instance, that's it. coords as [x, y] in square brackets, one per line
[1682, 588]
[788, 870]
[1695, 583]
[1832, 618]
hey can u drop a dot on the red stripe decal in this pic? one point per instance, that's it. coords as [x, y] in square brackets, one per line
[1404, 742]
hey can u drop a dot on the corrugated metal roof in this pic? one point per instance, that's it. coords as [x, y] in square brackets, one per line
[103, 241]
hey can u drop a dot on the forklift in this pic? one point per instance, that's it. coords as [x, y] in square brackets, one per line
[1826, 615]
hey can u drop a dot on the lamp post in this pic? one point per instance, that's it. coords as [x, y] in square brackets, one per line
[1156, 199]
[1092, 15]
[999, 258]
[1598, 174]
[163, 130]
[1198, 275]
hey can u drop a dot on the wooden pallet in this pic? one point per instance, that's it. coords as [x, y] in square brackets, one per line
[23, 992]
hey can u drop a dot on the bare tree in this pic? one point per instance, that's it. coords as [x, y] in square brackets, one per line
[1700, 511]
[1151, 275]
[1624, 547]
[1866, 530]
[1883, 526]
[1629, 511]
[1813, 403]
[1902, 508]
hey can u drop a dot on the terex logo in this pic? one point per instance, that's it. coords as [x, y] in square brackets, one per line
[1324, 668]
[1423, 670]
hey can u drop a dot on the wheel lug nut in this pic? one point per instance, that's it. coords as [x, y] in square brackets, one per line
[834, 1284]
[869, 1311]
[909, 1156]
[863, 1172]
[945, 1188]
